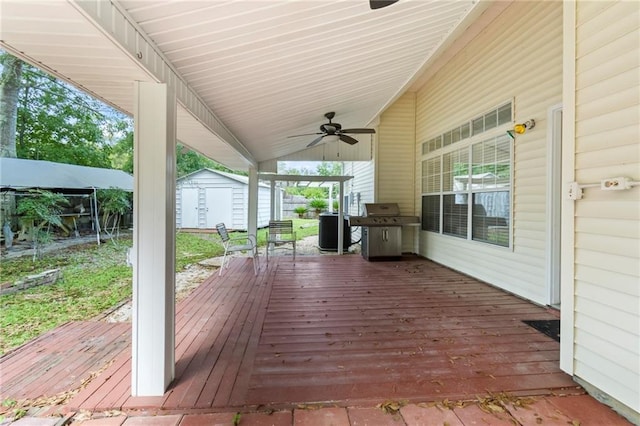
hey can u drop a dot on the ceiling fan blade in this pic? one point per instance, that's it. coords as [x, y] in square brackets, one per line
[361, 131]
[378, 4]
[306, 134]
[316, 140]
[348, 139]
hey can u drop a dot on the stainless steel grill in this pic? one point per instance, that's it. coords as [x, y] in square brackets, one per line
[382, 229]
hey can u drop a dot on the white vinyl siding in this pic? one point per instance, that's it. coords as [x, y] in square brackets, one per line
[607, 224]
[360, 189]
[395, 162]
[204, 179]
[518, 58]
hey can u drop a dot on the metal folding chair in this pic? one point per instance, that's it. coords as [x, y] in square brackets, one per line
[281, 232]
[247, 243]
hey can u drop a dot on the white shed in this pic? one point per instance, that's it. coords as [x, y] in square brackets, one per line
[207, 197]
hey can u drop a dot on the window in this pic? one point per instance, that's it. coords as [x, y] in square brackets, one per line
[487, 121]
[467, 192]
[431, 203]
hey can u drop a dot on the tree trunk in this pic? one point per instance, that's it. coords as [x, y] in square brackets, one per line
[9, 87]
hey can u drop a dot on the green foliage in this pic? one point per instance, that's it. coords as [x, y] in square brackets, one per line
[95, 278]
[307, 192]
[192, 248]
[300, 210]
[114, 200]
[38, 209]
[303, 227]
[57, 122]
[9, 403]
[329, 169]
[41, 208]
[114, 203]
[188, 161]
[122, 154]
[324, 168]
[318, 204]
[236, 419]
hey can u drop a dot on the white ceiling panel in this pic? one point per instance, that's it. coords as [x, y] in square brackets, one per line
[266, 69]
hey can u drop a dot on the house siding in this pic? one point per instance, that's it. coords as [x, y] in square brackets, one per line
[517, 57]
[607, 224]
[360, 190]
[395, 162]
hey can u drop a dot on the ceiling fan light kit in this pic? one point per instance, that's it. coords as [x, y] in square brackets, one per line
[335, 129]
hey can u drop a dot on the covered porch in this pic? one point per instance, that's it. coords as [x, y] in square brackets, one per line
[325, 331]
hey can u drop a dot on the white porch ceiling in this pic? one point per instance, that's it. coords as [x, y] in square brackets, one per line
[266, 69]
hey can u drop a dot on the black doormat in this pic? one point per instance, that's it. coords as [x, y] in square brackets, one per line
[550, 328]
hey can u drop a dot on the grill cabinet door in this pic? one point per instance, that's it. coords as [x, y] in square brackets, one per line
[384, 241]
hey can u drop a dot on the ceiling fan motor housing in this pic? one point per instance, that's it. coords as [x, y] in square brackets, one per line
[330, 128]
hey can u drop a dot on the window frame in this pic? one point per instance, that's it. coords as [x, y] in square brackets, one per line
[493, 134]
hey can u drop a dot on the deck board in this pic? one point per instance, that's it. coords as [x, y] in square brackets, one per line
[324, 329]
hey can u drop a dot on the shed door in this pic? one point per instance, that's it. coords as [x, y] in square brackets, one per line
[189, 211]
[219, 205]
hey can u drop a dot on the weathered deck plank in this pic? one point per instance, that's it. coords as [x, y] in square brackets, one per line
[327, 328]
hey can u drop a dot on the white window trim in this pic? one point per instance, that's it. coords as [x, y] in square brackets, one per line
[467, 144]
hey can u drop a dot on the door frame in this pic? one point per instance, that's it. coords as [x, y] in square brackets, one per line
[554, 201]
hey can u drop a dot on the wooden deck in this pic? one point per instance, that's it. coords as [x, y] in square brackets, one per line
[329, 329]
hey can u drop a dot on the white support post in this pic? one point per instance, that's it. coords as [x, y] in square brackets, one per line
[252, 220]
[272, 213]
[341, 219]
[153, 322]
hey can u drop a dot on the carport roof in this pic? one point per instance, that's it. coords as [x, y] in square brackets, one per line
[18, 173]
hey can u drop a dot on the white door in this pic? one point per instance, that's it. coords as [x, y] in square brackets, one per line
[189, 213]
[219, 205]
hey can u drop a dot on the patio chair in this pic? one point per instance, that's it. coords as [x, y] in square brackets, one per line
[281, 232]
[247, 243]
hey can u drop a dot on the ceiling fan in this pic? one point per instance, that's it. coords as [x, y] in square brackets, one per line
[335, 129]
[379, 4]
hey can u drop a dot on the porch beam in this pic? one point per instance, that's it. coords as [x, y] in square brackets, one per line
[153, 319]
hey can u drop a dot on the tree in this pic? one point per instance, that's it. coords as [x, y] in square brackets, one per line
[329, 169]
[122, 154]
[57, 122]
[38, 209]
[10, 81]
[114, 203]
[188, 161]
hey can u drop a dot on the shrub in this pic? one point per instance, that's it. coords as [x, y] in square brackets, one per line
[318, 205]
[300, 211]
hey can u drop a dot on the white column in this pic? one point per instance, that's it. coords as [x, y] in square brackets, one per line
[340, 219]
[153, 348]
[252, 220]
[272, 213]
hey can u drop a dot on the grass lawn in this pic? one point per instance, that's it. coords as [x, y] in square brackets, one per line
[94, 279]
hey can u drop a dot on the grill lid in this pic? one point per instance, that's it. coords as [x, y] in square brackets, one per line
[382, 214]
[381, 209]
